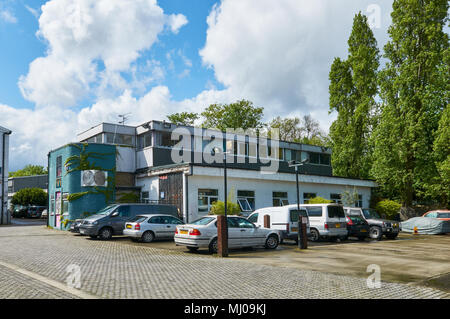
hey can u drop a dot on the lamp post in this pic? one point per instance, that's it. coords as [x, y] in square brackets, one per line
[302, 243]
[222, 222]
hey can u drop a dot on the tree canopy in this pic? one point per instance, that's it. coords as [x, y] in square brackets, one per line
[29, 170]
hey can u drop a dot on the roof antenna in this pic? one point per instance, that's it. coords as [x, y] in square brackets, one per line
[124, 118]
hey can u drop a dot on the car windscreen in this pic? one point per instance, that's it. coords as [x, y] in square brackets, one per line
[371, 214]
[336, 212]
[443, 215]
[294, 213]
[203, 221]
[138, 219]
[106, 210]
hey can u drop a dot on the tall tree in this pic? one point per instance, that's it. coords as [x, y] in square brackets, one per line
[241, 114]
[29, 170]
[353, 87]
[414, 92]
[183, 118]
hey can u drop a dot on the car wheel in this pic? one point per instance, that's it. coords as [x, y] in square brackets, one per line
[148, 237]
[105, 233]
[93, 236]
[271, 242]
[314, 235]
[213, 246]
[375, 233]
[391, 236]
[192, 249]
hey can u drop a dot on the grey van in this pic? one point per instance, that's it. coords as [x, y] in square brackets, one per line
[111, 220]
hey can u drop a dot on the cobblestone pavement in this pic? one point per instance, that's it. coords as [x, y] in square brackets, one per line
[112, 269]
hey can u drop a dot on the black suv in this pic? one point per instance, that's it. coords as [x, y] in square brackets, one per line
[378, 225]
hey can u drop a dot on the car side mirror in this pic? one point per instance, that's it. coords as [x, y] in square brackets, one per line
[115, 214]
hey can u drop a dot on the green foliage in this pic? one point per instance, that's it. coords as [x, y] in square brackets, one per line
[388, 208]
[414, 88]
[183, 118]
[318, 200]
[128, 198]
[218, 208]
[30, 196]
[352, 91]
[29, 170]
[349, 198]
[241, 114]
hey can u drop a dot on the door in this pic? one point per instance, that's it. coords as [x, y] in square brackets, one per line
[118, 222]
[234, 233]
[250, 236]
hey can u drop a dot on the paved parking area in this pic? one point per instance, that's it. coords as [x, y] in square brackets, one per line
[121, 269]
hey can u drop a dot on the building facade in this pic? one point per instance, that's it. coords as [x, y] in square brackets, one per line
[183, 165]
[5, 217]
[15, 184]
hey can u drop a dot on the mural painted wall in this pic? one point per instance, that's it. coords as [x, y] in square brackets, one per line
[74, 190]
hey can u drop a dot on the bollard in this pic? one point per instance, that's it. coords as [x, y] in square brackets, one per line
[222, 236]
[266, 221]
[301, 232]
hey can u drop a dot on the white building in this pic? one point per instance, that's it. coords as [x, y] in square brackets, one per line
[258, 174]
[5, 218]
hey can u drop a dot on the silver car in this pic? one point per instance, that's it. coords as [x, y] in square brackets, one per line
[241, 233]
[150, 227]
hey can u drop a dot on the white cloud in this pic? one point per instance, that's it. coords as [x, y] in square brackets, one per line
[34, 12]
[80, 33]
[7, 16]
[278, 53]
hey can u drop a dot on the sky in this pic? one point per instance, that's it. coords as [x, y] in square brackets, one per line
[67, 65]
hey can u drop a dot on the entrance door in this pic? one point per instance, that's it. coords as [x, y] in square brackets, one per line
[56, 219]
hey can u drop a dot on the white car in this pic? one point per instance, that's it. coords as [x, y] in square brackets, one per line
[202, 233]
[150, 227]
[326, 220]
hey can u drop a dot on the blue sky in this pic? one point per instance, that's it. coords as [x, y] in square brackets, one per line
[66, 65]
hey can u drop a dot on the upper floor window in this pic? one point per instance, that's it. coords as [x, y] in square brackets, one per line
[59, 166]
[145, 140]
[319, 158]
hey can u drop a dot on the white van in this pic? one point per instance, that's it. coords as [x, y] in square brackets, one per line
[327, 220]
[282, 218]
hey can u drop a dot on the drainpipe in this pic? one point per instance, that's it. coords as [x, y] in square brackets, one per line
[186, 193]
[3, 176]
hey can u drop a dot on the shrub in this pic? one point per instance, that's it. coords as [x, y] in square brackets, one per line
[318, 200]
[30, 196]
[389, 208]
[218, 208]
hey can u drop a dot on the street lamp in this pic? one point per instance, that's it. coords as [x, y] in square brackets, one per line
[222, 223]
[301, 233]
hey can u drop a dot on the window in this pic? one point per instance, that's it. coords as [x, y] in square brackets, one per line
[145, 197]
[206, 197]
[138, 219]
[58, 166]
[325, 159]
[244, 205]
[294, 213]
[243, 223]
[253, 218]
[336, 212]
[145, 140]
[320, 158]
[443, 215]
[280, 198]
[359, 202]
[252, 149]
[109, 138]
[314, 158]
[308, 196]
[202, 221]
[124, 211]
[166, 139]
[175, 221]
[249, 196]
[98, 138]
[65, 203]
[336, 198]
[314, 211]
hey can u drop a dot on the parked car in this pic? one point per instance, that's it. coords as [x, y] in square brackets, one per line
[282, 218]
[111, 220]
[44, 213]
[150, 227]
[75, 225]
[441, 214]
[357, 226]
[202, 233]
[19, 211]
[426, 225]
[35, 211]
[326, 221]
[378, 225]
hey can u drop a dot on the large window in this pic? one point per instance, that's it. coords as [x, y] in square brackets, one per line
[58, 166]
[280, 198]
[166, 139]
[336, 198]
[319, 158]
[206, 197]
[247, 195]
[308, 196]
[123, 139]
[145, 140]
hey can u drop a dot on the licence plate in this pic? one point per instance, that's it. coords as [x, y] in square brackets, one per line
[129, 226]
[183, 231]
[294, 229]
[81, 231]
[363, 230]
[338, 225]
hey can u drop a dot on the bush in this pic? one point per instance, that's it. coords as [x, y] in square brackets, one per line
[318, 200]
[30, 196]
[218, 208]
[388, 208]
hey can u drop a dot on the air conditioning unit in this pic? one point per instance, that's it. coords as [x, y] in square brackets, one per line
[94, 178]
